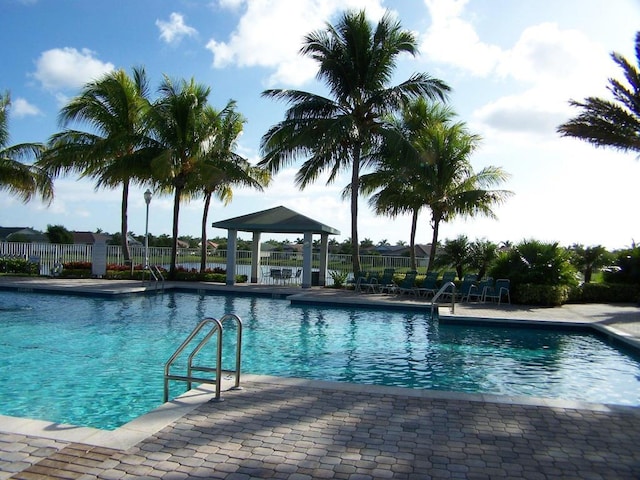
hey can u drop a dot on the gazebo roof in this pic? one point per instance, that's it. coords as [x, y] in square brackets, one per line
[275, 220]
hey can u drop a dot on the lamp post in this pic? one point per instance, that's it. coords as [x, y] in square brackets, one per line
[147, 200]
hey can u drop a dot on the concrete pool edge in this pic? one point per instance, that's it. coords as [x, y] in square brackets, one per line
[149, 424]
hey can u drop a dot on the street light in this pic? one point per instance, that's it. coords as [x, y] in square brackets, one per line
[147, 200]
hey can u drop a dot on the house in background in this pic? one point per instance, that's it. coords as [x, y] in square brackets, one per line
[89, 238]
[22, 234]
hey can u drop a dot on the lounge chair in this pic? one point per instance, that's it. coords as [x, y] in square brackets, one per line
[499, 291]
[448, 276]
[429, 285]
[408, 284]
[478, 290]
[367, 283]
[468, 283]
[386, 282]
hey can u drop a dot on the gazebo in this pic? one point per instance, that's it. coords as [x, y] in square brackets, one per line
[277, 220]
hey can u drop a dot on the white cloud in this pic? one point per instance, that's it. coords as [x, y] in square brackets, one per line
[549, 64]
[22, 108]
[454, 41]
[67, 68]
[175, 29]
[270, 33]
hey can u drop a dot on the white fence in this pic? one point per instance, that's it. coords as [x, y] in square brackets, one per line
[48, 254]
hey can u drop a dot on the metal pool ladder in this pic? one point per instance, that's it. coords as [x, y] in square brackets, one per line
[214, 326]
[156, 273]
[443, 289]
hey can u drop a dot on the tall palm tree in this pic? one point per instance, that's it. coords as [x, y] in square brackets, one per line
[220, 168]
[113, 109]
[182, 125]
[611, 123]
[440, 173]
[356, 62]
[18, 178]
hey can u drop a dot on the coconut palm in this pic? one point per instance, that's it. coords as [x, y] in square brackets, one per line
[356, 61]
[611, 123]
[220, 168]
[435, 173]
[182, 125]
[113, 109]
[21, 179]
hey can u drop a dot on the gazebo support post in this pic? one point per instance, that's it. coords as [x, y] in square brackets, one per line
[307, 257]
[232, 251]
[255, 258]
[324, 255]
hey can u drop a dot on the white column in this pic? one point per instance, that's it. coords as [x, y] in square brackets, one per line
[307, 257]
[255, 258]
[232, 251]
[324, 255]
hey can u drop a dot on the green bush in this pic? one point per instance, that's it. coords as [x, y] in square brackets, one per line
[627, 263]
[18, 265]
[545, 295]
[605, 293]
[339, 278]
[540, 273]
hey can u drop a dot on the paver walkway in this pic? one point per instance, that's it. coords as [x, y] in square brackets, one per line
[296, 430]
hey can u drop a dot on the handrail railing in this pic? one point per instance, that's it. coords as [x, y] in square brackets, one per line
[215, 328]
[441, 292]
[189, 378]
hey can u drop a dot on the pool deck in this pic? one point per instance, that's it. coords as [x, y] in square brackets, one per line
[301, 429]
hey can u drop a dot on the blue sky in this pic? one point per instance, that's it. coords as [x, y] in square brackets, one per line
[512, 66]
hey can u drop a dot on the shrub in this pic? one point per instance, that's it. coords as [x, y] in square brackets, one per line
[627, 263]
[18, 265]
[545, 295]
[339, 278]
[533, 263]
[605, 293]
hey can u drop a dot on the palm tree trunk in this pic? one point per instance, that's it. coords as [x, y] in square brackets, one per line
[174, 240]
[124, 227]
[203, 250]
[355, 243]
[434, 243]
[412, 240]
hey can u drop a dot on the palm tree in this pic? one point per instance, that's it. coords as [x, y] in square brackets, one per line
[182, 125]
[18, 178]
[356, 62]
[611, 123]
[113, 107]
[220, 168]
[441, 174]
[456, 253]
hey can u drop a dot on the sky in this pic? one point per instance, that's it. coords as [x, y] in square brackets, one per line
[512, 67]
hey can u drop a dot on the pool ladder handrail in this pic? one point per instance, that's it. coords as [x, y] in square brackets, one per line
[156, 273]
[441, 292]
[216, 327]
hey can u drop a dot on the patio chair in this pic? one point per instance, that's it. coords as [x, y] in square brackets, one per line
[368, 283]
[468, 283]
[408, 284]
[276, 275]
[499, 291]
[429, 285]
[478, 290]
[287, 274]
[386, 282]
[448, 276]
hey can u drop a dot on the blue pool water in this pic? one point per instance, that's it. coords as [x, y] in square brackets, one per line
[98, 362]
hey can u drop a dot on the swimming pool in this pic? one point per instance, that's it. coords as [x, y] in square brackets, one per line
[97, 361]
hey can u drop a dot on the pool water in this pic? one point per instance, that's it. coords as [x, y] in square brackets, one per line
[96, 361]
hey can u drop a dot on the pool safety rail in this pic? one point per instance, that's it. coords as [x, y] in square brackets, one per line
[214, 327]
[157, 276]
[441, 292]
